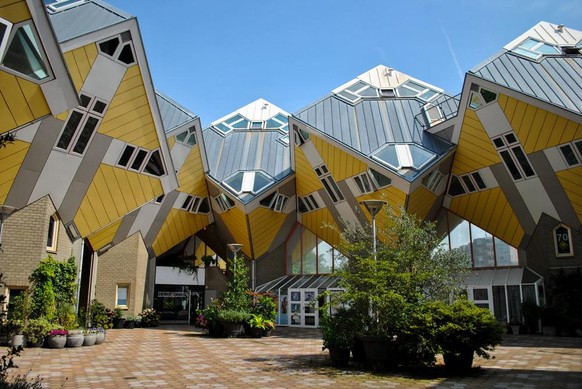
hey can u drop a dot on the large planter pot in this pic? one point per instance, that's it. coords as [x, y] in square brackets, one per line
[130, 324]
[89, 339]
[380, 351]
[75, 340]
[339, 356]
[458, 362]
[550, 330]
[118, 323]
[18, 340]
[232, 330]
[515, 330]
[38, 343]
[358, 352]
[256, 332]
[56, 341]
[100, 337]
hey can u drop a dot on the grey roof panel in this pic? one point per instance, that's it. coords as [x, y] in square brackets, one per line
[85, 18]
[554, 79]
[173, 114]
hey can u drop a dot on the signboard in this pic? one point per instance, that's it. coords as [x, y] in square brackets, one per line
[563, 241]
[171, 294]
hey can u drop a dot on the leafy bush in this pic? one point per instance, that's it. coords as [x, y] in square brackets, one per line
[258, 321]
[233, 316]
[36, 329]
[339, 330]
[463, 326]
[99, 316]
[149, 317]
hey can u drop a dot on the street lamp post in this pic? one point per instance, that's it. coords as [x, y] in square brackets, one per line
[373, 206]
[235, 248]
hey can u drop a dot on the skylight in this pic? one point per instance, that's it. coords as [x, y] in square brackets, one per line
[404, 156]
[248, 182]
[416, 89]
[358, 91]
[534, 49]
[239, 122]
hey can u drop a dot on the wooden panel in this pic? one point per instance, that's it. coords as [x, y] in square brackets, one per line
[305, 177]
[340, 164]
[571, 181]
[129, 117]
[420, 202]
[191, 176]
[15, 99]
[14, 11]
[11, 158]
[320, 222]
[490, 211]
[475, 150]
[178, 226]
[571, 132]
[265, 225]
[235, 221]
[395, 198]
[105, 235]
[73, 70]
[113, 193]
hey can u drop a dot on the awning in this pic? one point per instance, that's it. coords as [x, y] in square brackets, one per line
[298, 282]
[498, 277]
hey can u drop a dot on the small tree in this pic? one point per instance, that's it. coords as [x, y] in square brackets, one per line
[236, 296]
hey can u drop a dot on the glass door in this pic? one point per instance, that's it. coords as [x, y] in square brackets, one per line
[303, 308]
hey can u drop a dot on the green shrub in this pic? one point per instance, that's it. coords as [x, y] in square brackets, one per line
[233, 316]
[339, 330]
[36, 329]
[99, 316]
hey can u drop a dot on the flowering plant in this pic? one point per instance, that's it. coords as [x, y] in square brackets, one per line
[201, 321]
[58, 332]
[92, 330]
[149, 317]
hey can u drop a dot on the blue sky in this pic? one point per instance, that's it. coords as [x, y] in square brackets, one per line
[216, 56]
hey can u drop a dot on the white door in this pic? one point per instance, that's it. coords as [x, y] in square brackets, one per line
[303, 308]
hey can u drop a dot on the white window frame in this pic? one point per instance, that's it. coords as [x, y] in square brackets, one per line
[364, 178]
[127, 299]
[277, 203]
[509, 147]
[430, 110]
[329, 184]
[6, 38]
[190, 134]
[434, 180]
[223, 203]
[118, 49]
[309, 202]
[54, 221]
[577, 152]
[78, 131]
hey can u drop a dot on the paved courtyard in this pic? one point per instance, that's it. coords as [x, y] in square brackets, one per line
[181, 357]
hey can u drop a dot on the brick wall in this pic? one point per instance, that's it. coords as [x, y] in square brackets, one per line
[24, 242]
[124, 264]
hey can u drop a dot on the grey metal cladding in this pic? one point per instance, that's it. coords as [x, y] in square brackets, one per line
[554, 188]
[173, 114]
[165, 208]
[125, 226]
[84, 176]
[34, 162]
[555, 79]
[86, 18]
[370, 124]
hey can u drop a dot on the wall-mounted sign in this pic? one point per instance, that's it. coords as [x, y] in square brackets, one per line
[171, 294]
[563, 241]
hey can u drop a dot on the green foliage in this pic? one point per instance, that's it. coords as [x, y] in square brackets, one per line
[99, 315]
[265, 305]
[339, 330]
[258, 321]
[118, 313]
[36, 329]
[463, 326]
[149, 317]
[54, 290]
[236, 296]
[233, 316]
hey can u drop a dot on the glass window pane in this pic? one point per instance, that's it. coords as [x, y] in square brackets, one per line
[69, 130]
[358, 85]
[181, 136]
[459, 234]
[429, 94]
[121, 295]
[499, 307]
[155, 165]
[84, 100]
[235, 182]
[99, 107]
[529, 43]
[569, 155]
[498, 142]
[348, 96]
[243, 124]
[339, 260]
[548, 49]
[381, 180]
[24, 54]
[127, 153]
[479, 180]
[405, 92]
[455, 187]
[523, 161]
[368, 92]
[514, 302]
[389, 156]
[474, 102]
[141, 154]
[511, 166]
[482, 247]
[86, 135]
[468, 183]
[480, 294]
[109, 47]
[420, 156]
[261, 181]
[309, 243]
[126, 55]
[526, 53]
[506, 255]
[324, 257]
[223, 128]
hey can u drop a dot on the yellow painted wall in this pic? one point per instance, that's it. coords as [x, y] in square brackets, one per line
[265, 225]
[537, 129]
[306, 180]
[318, 222]
[21, 102]
[341, 165]
[178, 226]
[14, 11]
[490, 210]
[113, 193]
[79, 62]
[571, 181]
[11, 158]
[191, 175]
[105, 235]
[236, 222]
[129, 117]
[475, 150]
[420, 202]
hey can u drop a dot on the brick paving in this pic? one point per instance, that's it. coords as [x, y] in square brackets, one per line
[181, 357]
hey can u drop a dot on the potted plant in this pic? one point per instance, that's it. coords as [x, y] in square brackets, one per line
[130, 322]
[16, 331]
[232, 321]
[75, 338]
[56, 338]
[100, 335]
[149, 317]
[338, 335]
[515, 326]
[118, 319]
[90, 337]
[36, 330]
[259, 325]
[463, 329]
